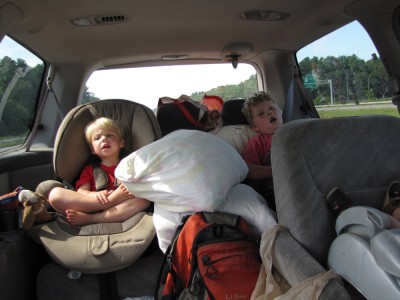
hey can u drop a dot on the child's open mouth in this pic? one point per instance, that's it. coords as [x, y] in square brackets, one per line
[272, 120]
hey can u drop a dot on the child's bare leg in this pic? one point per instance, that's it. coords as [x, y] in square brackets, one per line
[62, 199]
[118, 213]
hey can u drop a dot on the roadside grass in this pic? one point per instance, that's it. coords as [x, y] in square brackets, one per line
[349, 112]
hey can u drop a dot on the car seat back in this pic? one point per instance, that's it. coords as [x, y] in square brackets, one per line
[71, 151]
[311, 156]
[232, 112]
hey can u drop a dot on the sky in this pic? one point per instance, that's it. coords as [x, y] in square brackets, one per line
[352, 36]
[146, 85]
[149, 84]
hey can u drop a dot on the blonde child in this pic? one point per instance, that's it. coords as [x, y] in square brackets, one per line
[86, 205]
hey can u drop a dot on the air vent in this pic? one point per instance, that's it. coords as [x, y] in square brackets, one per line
[111, 19]
[263, 15]
[103, 19]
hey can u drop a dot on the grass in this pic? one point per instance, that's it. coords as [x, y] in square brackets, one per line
[359, 111]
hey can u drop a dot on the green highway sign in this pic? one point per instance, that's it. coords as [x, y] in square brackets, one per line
[309, 81]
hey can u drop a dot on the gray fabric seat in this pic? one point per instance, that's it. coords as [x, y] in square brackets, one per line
[97, 248]
[311, 156]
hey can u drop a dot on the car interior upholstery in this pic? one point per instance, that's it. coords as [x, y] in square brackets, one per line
[310, 155]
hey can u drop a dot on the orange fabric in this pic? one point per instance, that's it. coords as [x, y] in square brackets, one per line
[230, 272]
[212, 102]
[10, 200]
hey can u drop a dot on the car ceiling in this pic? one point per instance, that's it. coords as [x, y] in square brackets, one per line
[156, 28]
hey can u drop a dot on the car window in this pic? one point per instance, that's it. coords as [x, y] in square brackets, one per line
[344, 75]
[21, 74]
[147, 85]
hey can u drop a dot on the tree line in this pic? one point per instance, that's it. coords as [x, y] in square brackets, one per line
[352, 78]
[244, 89]
[19, 88]
[345, 78]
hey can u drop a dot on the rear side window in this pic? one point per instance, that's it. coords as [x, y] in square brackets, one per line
[21, 74]
[344, 75]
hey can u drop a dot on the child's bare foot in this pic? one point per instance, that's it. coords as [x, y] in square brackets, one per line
[78, 218]
[120, 194]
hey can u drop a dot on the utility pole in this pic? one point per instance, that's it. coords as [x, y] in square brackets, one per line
[331, 89]
[327, 81]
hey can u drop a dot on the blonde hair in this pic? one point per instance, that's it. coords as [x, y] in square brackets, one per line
[104, 123]
[254, 100]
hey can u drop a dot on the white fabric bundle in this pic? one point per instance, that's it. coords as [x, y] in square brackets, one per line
[241, 200]
[187, 170]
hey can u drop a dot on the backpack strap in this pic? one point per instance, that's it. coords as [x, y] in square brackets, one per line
[221, 218]
[167, 266]
[188, 116]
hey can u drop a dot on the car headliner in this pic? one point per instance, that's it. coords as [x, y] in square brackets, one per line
[156, 28]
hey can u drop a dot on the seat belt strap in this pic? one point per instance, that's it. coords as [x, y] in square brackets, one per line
[396, 101]
[287, 111]
[100, 177]
[49, 89]
[395, 84]
[308, 105]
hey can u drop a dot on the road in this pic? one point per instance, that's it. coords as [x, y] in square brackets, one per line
[385, 104]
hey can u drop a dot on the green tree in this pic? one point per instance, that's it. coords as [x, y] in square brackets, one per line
[353, 79]
[88, 96]
[242, 90]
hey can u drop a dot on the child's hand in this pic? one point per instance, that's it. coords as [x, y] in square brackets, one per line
[102, 196]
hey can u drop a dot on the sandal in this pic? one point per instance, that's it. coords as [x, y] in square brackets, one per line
[337, 201]
[392, 199]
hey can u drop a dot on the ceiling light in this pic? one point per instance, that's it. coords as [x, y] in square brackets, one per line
[174, 57]
[263, 15]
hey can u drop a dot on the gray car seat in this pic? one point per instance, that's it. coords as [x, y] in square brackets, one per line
[311, 156]
[97, 248]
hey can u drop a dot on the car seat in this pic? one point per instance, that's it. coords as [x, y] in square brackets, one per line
[235, 129]
[231, 113]
[311, 156]
[367, 246]
[96, 248]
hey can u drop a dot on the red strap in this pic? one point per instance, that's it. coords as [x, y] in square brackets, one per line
[188, 115]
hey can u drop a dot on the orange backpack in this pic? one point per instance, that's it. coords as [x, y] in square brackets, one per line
[213, 256]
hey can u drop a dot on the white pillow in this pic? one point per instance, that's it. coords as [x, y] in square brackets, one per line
[236, 135]
[166, 223]
[241, 200]
[187, 170]
[244, 201]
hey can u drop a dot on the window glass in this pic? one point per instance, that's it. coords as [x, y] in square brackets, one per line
[21, 73]
[147, 85]
[344, 75]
